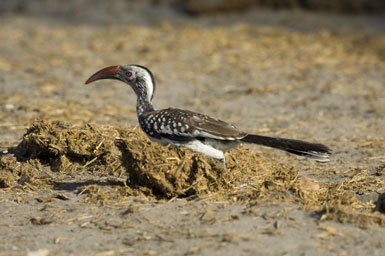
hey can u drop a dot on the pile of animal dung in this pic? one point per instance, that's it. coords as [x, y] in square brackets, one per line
[50, 151]
[115, 152]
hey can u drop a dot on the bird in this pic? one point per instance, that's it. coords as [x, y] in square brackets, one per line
[198, 132]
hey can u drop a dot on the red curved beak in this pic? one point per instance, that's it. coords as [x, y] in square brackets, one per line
[105, 73]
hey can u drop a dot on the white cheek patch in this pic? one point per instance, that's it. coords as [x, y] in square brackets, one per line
[150, 86]
[139, 72]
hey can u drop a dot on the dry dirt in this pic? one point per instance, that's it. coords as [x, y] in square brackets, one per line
[77, 177]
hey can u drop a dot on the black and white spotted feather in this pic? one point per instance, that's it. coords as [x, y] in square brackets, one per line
[183, 124]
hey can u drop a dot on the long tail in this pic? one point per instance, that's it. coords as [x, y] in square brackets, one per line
[314, 151]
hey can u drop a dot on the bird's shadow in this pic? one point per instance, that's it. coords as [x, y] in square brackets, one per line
[74, 186]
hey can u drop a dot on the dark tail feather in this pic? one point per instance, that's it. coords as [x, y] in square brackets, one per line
[314, 151]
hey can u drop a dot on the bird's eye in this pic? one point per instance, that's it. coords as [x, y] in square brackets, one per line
[129, 74]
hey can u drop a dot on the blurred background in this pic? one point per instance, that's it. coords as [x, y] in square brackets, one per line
[150, 11]
[86, 8]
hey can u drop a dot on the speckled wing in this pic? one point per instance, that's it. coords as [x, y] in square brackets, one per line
[184, 123]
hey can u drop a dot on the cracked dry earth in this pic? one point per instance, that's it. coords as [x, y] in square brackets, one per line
[64, 187]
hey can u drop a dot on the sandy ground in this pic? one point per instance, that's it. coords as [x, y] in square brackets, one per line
[316, 77]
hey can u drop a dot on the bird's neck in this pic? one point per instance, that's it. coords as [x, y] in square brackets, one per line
[144, 105]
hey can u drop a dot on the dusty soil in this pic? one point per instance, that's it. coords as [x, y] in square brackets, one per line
[78, 177]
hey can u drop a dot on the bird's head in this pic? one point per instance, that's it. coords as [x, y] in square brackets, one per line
[138, 77]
